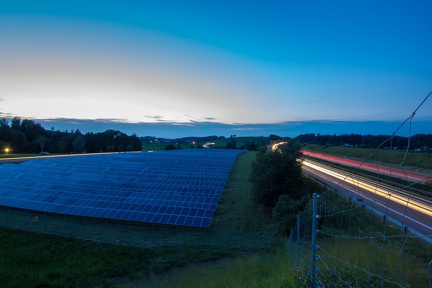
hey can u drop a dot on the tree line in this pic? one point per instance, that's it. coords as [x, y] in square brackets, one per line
[27, 136]
[417, 141]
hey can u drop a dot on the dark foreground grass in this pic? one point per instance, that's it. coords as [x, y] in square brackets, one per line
[30, 259]
[251, 271]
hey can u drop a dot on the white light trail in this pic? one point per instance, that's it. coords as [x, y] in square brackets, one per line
[400, 199]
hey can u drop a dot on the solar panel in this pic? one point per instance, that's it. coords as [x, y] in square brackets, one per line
[180, 187]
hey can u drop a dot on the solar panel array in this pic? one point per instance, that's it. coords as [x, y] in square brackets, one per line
[179, 187]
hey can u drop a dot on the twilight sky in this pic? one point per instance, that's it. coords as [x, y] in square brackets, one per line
[216, 67]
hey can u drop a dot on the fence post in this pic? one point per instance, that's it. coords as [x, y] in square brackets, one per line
[298, 241]
[430, 274]
[290, 243]
[314, 233]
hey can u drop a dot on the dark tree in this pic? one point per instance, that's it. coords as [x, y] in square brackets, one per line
[4, 123]
[27, 136]
[251, 146]
[79, 144]
[41, 141]
[232, 144]
[276, 173]
[170, 147]
[273, 137]
[284, 214]
[16, 123]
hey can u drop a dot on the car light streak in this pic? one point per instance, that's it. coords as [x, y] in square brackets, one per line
[398, 173]
[400, 199]
[208, 144]
[275, 147]
[375, 202]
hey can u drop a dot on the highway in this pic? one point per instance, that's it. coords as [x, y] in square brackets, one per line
[400, 207]
[398, 173]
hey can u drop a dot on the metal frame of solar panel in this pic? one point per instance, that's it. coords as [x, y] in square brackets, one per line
[179, 187]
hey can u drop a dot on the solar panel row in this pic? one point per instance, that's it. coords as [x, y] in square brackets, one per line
[168, 187]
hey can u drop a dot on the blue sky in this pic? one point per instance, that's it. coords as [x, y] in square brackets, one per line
[217, 67]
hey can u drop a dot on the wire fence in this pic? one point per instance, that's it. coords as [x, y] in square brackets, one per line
[355, 248]
[339, 241]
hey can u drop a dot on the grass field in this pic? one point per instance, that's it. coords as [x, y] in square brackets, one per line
[219, 143]
[252, 271]
[6, 156]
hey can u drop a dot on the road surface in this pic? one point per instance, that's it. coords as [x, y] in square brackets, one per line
[398, 173]
[401, 208]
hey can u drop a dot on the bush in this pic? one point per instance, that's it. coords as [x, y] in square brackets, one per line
[276, 173]
[278, 185]
[285, 212]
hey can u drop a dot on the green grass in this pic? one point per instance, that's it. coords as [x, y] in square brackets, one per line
[365, 263]
[147, 146]
[37, 260]
[252, 271]
[229, 214]
[13, 155]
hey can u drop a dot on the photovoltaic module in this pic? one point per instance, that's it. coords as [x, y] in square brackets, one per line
[180, 187]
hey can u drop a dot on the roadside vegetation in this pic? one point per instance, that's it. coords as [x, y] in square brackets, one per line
[278, 185]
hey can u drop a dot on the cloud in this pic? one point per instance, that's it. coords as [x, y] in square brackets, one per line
[247, 129]
[182, 124]
[155, 118]
[172, 130]
[6, 115]
[81, 121]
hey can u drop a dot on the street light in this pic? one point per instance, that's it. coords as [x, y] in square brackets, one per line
[7, 150]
